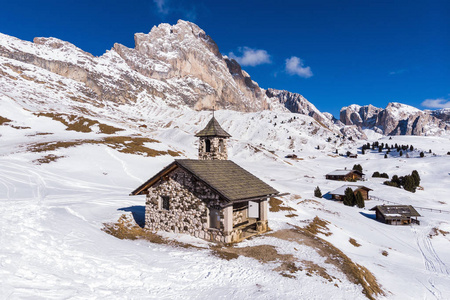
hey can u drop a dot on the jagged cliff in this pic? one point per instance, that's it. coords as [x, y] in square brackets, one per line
[395, 119]
[178, 64]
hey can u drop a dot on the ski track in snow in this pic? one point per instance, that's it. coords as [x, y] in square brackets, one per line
[432, 261]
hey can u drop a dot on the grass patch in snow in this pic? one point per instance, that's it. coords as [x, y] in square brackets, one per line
[354, 242]
[127, 229]
[436, 231]
[384, 253]
[317, 225]
[47, 159]
[4, 121]
[276, 205]
[124, 144]
[79, 123]
[354, 272]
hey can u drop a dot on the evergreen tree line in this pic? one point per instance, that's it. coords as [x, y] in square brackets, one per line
[408, 182]
[399, 148]
[381, 175]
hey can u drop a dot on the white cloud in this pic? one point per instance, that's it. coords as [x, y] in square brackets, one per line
[162, 6]
[251, 57]
[295, 66]
[436, 103]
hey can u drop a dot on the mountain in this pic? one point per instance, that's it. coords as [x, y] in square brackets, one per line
[179, 65]
[396, 119]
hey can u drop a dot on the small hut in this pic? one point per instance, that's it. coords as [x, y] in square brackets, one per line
[396, 214]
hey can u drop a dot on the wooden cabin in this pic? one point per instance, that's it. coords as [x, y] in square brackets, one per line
[396, 214]
[345, 175]
[211, 198]
[339, 193]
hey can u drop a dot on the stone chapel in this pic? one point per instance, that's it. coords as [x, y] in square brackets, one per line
[210, 197]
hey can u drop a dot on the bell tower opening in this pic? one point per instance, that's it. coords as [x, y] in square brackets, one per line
[213, 141]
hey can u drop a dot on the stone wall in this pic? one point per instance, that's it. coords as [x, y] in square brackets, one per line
[187, 212]
[214, 152]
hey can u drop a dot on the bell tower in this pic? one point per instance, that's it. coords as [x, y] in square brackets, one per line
[212, 141]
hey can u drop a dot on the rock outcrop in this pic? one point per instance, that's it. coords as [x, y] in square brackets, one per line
[395, 119]
[296, 103]
[178, 64]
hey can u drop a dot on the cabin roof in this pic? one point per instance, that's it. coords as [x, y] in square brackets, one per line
[224, 176]
[344, 172]
[213, 128]
[394, 211]
[341, 190]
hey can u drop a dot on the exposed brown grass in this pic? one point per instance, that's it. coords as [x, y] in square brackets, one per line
[354, 272]
[47, 159]
[276, 205]
[313, 268]
[20, 127]
[384, 253]
[4, 121]
[436, 231]
[125, 144]
[317, 225]
[40, 133]
[79, 123]
[126, 228]
[354, 242]
[291, 215]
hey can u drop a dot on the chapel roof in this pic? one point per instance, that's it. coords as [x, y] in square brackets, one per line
[227, 178]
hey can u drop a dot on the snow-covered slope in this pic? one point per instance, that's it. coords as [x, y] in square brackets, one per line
[63, 177]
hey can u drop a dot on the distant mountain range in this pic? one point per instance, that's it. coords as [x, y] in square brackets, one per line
[175, 66]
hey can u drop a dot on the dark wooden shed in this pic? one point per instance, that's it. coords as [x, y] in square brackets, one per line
[396, 214]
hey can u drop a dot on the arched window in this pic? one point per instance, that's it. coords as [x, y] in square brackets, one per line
[208, 145]
[221, 146]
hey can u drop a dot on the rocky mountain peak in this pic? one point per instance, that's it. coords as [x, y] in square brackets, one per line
[395, 119]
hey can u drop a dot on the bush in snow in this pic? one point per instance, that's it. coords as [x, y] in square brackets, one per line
[317, 192]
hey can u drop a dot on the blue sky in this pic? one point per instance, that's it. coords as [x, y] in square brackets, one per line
[335, 53]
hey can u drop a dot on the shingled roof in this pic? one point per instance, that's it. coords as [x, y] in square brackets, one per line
[213, 129]
[224, 176]
[391, 211]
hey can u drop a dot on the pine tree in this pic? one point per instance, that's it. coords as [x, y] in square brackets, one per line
[359, 200]
[385, 156]
[401, 153]
[349, 197]
[317, 193]
[357, 167]
[421, 154]
[408, 184]
[416, 177]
